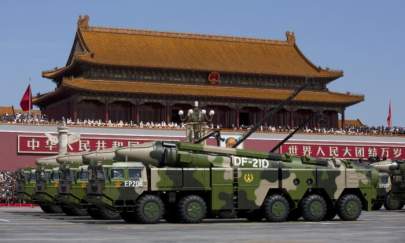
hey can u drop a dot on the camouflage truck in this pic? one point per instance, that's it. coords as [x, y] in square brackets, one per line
[384, 187]
[185, 182]
[394, 198]
[46, 188]
[73, 185]
[25, 184]
[72, 189]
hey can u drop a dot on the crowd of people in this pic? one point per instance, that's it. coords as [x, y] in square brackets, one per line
[7, 187]
[38, 119]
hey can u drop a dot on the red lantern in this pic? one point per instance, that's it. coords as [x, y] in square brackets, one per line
[214, 78]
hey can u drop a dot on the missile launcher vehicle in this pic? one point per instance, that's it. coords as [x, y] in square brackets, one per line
[47, 183]
[73, 185]
[25, 184]
[71, 191]
[194, 181]
[189, 181]
[46, 188]
[394, 197]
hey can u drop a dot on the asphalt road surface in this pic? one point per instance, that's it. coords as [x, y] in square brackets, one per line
[32, 225]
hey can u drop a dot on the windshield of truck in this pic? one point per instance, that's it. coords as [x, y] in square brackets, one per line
[32, 176]
[134, 174]
[26, 176]
[55, 176]
[66, 175]
[117, 174]
[100, 173]
[83, 175]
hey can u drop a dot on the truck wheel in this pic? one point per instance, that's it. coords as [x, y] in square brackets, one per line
[391, 203]
[50, 208]
[103, 213]
[349, 207]
[66, 210]
[314, 208]
[109, 214]
[276, 208]
[94, 213]
[191, 209]
[149, 209]
[74, 210]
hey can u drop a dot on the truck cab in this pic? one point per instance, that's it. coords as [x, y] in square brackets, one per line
[46, 189]
[395, 198]
[25, 185]
[99, 175]
[72, 189]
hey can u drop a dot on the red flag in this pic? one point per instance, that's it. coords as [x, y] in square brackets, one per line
[389, 118]
[26, 100]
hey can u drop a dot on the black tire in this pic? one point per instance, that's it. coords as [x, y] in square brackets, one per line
[390, 203]
[51, 208]
[314, 208]
[129, 217]
[103, 213]
[276, 208]
[377, 205]
[149, 209]
[74, 210]
[191, 209]
[255, 216]
[109, 214]
[94, 213]
[349, 207]
[66, 210]
[44, 208]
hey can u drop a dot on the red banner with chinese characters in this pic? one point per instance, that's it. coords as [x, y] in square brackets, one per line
[38, 144]
[345, 151]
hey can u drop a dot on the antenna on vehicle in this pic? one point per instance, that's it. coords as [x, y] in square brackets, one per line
[268, 115]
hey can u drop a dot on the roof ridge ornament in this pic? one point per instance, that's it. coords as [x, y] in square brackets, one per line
[290, 37]
[83, 21]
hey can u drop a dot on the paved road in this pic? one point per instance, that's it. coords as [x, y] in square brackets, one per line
[31, 225]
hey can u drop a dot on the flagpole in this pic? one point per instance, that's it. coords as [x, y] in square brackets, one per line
[30, 98]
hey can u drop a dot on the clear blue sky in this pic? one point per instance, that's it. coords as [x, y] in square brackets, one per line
[365, 39]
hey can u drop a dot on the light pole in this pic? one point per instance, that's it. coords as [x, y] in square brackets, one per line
[196, 121]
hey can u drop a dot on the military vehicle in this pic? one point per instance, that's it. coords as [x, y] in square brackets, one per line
[394, 198]
[46, 188]
[25, 184]
[99, 167]
[72, 189]
[187, 182]
[73, 185]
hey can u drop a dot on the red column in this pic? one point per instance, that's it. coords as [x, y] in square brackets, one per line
[74, 110]
[106, 115]
[237, 117]
[343, 118]
[292, 118]
[168, 113]
[137, 113]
